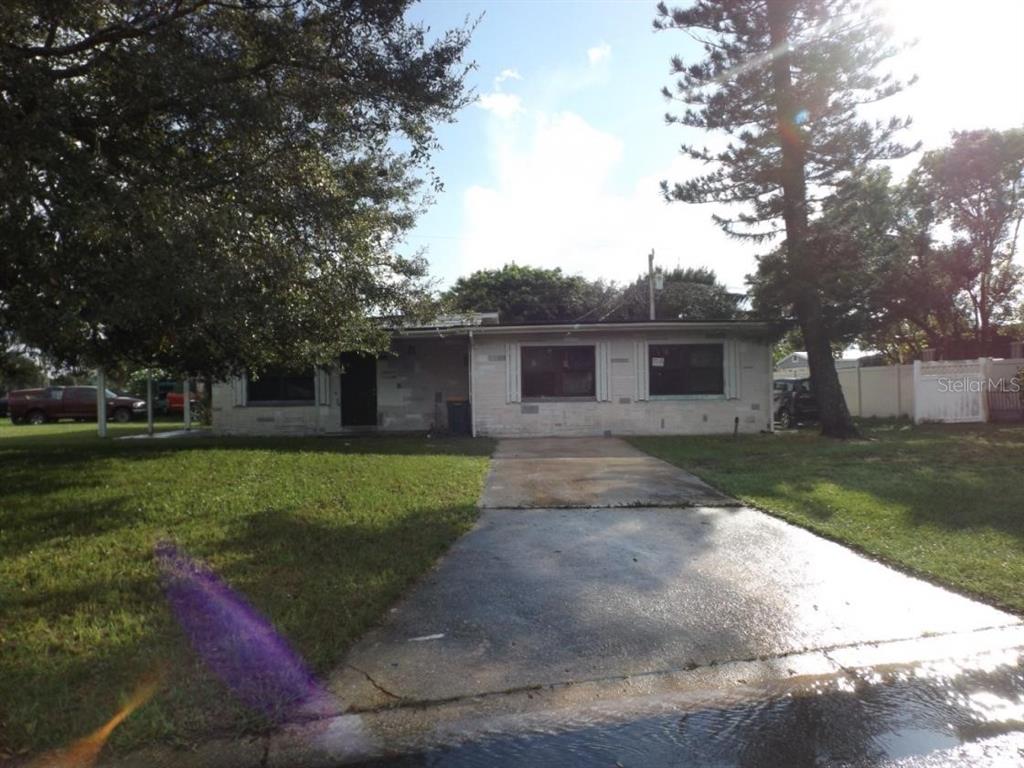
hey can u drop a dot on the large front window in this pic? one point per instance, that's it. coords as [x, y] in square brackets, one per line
[276, 385]
[558, 371]
[686, 369]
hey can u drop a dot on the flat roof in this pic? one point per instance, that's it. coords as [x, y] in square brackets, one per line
[717, 326]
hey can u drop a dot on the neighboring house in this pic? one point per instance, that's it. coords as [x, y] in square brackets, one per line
[649, 377]
[794, 366]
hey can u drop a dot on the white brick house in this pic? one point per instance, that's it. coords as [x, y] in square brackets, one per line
[650, 377]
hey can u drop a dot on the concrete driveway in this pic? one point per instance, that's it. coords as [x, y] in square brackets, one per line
[539, 597]
[588, 472]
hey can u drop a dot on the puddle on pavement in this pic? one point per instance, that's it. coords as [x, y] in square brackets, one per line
[915, 716]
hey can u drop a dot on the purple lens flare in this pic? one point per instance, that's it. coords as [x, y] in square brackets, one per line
[237, 644]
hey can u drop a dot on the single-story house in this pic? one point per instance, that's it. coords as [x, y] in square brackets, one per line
[479, 378]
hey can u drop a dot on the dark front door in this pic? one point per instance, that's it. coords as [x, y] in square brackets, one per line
[358, 390]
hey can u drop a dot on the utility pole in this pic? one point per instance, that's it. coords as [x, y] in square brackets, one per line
[650, 282]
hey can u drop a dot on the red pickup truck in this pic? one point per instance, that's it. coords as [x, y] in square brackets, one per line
[175, 402]
[38, 406]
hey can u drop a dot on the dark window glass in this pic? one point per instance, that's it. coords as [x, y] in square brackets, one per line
[279, 385]
[686, 369]
[80, 394]
[558, 372]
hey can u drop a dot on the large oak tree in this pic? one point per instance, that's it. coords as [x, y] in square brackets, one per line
[784, 81]
[203, 186]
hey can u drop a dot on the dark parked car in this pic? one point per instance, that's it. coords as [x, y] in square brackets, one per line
[794, 402]
[38, 406]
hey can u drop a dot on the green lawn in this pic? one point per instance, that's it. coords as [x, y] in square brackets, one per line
[322, 535]
[945, 501]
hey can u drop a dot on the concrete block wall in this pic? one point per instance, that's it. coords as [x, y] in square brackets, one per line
[620, 408]
[231, 416]
[416, 381]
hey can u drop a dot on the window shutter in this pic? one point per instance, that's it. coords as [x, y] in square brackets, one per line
[513, 380]
[239, 387]
[641, 357]
[602, 372]
[731, 361]
[323, 386]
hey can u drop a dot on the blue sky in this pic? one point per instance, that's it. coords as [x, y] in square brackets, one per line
[558, 162]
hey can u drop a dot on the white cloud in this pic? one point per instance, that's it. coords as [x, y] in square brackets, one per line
[554, 203]
[598, 53]
[507, 74]
[502, 105]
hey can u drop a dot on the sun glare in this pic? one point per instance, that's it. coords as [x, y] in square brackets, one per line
[968, 58]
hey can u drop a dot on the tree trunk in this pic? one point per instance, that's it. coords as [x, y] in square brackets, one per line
[832, 411]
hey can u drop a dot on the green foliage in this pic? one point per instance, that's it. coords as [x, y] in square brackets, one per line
[536, 295]
[975, 186]
[859, 240]
[784, 81]
[688, 294]
[523, 294]
[831, 50]
[204, 186]
[18, 371]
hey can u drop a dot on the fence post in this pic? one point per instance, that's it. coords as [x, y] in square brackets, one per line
[899, 390]
[917, 391]
[101, 402]
[860, 393]
[986, 375]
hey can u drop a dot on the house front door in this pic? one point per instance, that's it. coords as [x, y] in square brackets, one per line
[358, 390]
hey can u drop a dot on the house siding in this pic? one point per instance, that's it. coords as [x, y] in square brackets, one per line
[621, 405]
[419, 376]
[414, 383]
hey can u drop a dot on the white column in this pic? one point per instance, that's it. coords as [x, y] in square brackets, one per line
[187, 405]
[101, 402]
[472, 400]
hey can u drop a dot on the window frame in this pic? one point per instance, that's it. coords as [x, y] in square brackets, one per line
[720, 395]
[281, 373]
[525, 397]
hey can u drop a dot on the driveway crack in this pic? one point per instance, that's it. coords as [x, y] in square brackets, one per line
[374, 683]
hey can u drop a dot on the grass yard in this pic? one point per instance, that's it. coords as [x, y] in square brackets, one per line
[322, 535]
[945, 501]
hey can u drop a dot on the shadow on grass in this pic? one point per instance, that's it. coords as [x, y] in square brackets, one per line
[955, 477]
[322, 580]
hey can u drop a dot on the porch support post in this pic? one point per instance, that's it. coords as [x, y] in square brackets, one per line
[187, 405]
[472, 400]
[149, 404]
[101, 402]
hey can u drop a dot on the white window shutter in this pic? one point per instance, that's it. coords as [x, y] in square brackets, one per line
[642, 385]
[239, 385]
[323, 386]
[513, 383]
[731, 361]
[602, 370]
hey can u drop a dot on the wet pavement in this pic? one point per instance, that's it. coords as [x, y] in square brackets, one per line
[922, 716]
[708, 634]
[542, 596]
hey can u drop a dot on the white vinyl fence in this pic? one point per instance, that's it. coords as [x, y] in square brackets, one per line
[948, 391]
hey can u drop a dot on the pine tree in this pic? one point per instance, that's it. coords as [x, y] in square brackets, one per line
[785, 81]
